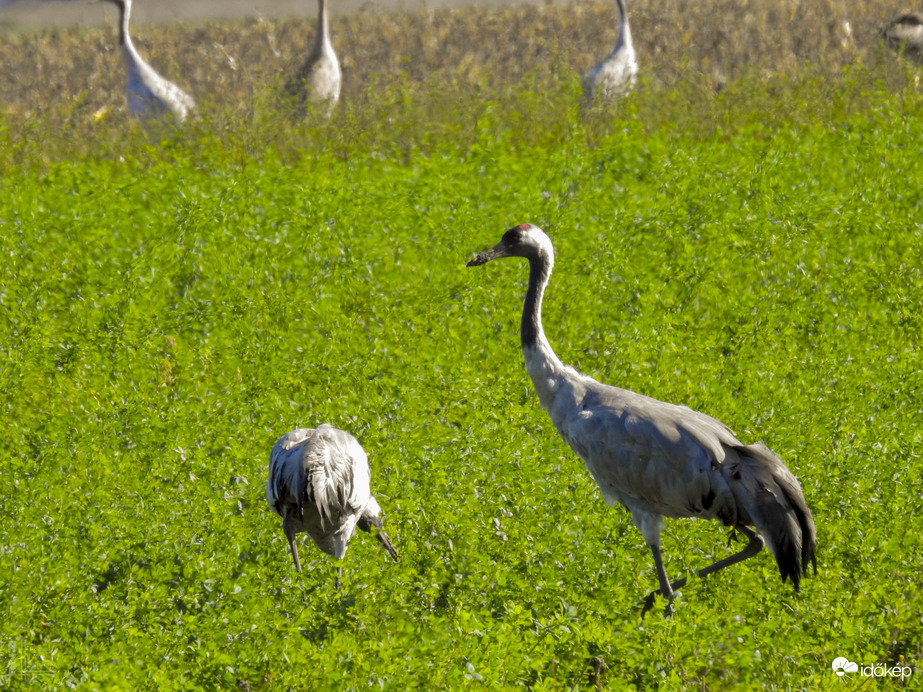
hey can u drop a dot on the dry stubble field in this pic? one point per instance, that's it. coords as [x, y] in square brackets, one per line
[233, 65]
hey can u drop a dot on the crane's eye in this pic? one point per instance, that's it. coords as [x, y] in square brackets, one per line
[512, 236]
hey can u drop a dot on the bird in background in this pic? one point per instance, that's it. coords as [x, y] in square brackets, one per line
[319, 483]
[655, 458]
[904, 34]
[615, 76]
[318, 79]
[149, 94]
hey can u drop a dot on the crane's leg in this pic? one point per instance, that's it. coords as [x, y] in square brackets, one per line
[336, 579]
[754, 545]
[666, 588]
[290, 535]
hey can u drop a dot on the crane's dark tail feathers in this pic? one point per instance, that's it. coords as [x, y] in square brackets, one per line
[773, 499]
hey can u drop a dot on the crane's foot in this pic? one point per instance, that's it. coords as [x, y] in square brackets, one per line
[668, 611]
[649, 603]
[732, 537]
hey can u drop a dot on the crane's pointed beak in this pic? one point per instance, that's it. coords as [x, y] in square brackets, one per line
[386, 543]
[495, 252]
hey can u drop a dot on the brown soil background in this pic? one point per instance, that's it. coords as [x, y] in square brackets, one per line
[235, 52]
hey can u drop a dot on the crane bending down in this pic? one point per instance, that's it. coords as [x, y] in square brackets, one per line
[149, 94]
[319, 482]
[318, 79]
[615, 76]
[659, 459]
[905, 35]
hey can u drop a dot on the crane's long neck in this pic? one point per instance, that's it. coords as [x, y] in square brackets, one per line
[124, 16]
[322, 38]
[624, 39]
[541, 360]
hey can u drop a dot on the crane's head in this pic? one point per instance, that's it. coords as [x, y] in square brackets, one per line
[525, 240]
[370, 518]
[907, 27]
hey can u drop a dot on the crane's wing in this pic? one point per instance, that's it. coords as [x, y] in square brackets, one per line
[149, 92]
[338, 470]
[649, 454]
[287, 476]
[319, 76]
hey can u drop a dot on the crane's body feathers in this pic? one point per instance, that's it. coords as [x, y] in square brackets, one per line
[318, 80]
[149, 94]
[655, 458]
[320, 483]
[615, 76]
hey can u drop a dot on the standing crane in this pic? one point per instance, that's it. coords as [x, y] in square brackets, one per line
[615, 76]
[905, 35]
[319, 482]
[318, 79]
[658, 459]
[149, 94]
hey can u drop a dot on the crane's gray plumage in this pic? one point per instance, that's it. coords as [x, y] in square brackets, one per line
[318, 79]
[149, 94]
[655, 458]
[615, 76]
[905, 35]
[319, 482]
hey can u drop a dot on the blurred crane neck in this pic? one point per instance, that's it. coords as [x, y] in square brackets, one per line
[124, 15]
[323, 30]
[624, 37]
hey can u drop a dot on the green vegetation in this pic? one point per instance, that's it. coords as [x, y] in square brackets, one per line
[171, 304]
